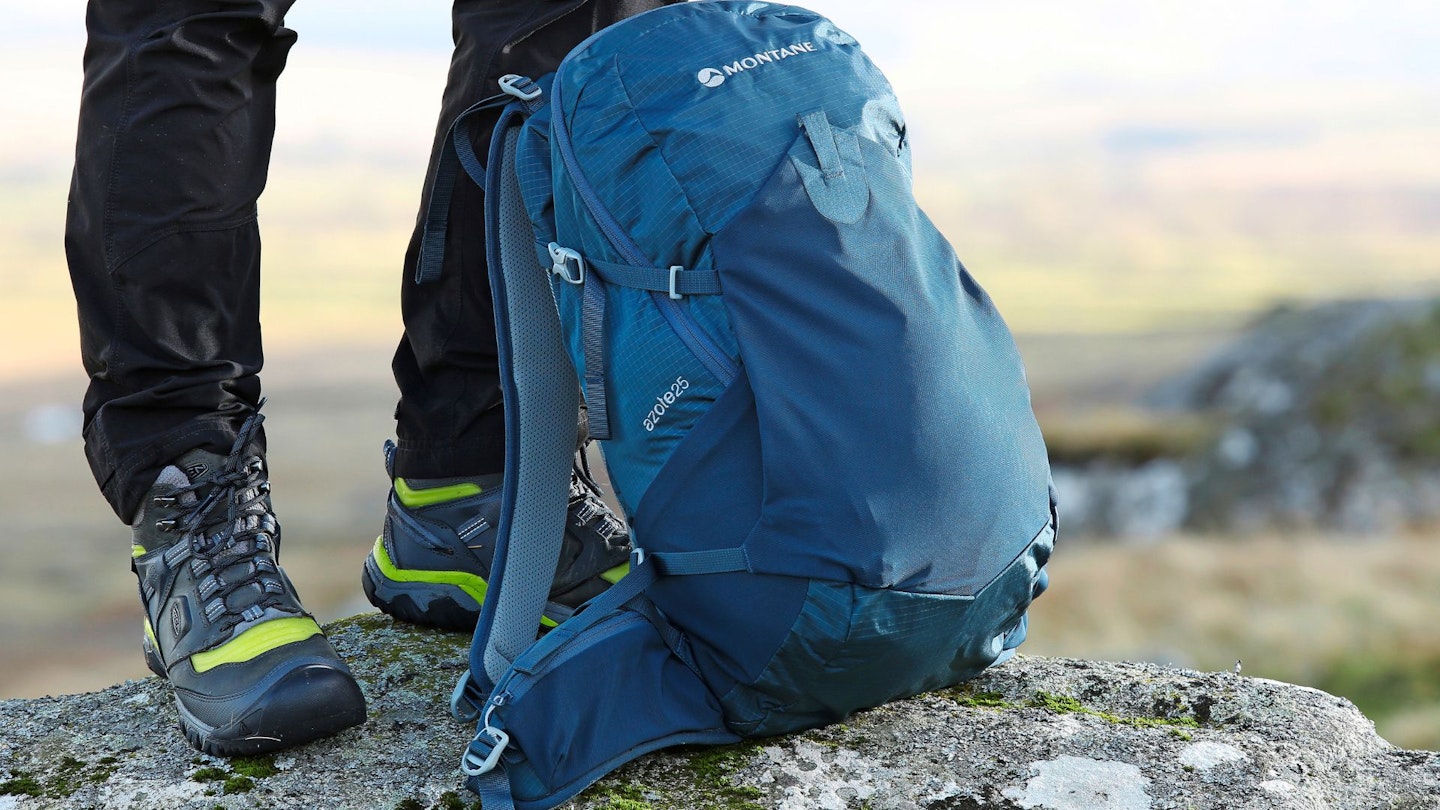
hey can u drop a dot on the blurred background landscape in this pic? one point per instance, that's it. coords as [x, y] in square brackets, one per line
[1175, 206]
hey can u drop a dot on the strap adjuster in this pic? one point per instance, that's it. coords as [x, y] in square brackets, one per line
[675, 271]
[520, 87]
[463, 706]
[566, 263]
[483, 753]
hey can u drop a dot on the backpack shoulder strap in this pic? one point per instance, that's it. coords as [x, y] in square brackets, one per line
[537, 380]
[541, 408]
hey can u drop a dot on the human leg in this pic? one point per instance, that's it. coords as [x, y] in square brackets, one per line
[449, 420]
[431, 563]
[176, 121]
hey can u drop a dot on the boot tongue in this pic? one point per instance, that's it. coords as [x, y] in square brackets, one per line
[192, 467]
[197, 465]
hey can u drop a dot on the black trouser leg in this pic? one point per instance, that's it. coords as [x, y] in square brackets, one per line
[449, 421]
[176, 121]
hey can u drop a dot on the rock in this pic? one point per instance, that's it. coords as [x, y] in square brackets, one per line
[1324, 417]
[1332, 420]
[1034, 733]
[1148, 502]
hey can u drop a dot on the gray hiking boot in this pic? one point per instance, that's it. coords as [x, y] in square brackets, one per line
[431, 563]
[251, 670]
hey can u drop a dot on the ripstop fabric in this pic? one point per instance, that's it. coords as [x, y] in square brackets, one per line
[814, 418]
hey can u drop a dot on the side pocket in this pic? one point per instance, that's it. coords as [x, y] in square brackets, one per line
[854, 647]
[655, 387]
[595, 701]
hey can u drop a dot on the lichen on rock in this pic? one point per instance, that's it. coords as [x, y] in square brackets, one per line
[1034, 733]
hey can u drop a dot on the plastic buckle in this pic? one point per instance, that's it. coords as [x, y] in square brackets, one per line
[637, 557]
[563, 259]
[520, 87]
[462, 704]
[483, 753]
[675, 271]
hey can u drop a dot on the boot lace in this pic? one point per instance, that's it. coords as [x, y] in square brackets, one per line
[588, 509]
[232, 559]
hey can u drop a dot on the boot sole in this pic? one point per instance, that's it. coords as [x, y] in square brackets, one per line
[284, 716]
[441, 605]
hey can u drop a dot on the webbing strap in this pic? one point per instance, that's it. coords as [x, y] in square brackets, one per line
[457, 153]
[674, 280]
[592, 338]
[493, 788]
[822, 140]
[595, 274]
[714, 561]
[464, 147]
[836, 183]
[671, 635]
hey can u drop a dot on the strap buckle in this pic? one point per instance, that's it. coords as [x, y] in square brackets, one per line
[566, 263]
[675, 271]
[463, 706]
[520, 87]
[483, 753]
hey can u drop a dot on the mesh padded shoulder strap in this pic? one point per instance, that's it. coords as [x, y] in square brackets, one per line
[541, 407]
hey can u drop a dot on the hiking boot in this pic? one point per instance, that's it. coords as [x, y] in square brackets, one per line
[252, 671]
[431, 563]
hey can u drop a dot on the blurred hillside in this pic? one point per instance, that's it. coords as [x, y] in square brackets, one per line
[1131, 182]
[1110, 169]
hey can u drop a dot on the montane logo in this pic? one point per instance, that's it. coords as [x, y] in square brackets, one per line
[710, 77]
[714, 77]
[663, 403]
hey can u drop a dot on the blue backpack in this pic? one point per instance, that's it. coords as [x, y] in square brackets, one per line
[815, 421]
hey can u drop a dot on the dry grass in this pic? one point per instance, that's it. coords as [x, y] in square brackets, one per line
[1126, 435]
[1355, 616]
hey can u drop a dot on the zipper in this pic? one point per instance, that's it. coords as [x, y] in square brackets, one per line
[509, 689]
[680, 321]
[698, 341]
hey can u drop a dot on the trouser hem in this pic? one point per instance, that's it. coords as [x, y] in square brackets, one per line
[481, 456]
[125, 482]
